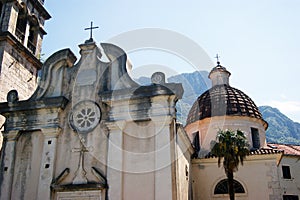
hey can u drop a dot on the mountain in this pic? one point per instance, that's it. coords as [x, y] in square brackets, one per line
[281, 128]
[194, 85]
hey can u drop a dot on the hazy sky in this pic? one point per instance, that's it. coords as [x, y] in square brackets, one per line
[258, 41]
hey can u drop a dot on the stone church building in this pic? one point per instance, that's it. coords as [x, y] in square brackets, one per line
[91, 132]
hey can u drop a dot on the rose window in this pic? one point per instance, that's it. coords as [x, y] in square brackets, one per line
[85, 116]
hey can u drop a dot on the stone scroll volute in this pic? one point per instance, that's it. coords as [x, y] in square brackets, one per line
[51, 80]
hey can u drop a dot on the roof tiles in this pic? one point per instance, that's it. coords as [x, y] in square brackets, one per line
[288, 149]
[222, 100]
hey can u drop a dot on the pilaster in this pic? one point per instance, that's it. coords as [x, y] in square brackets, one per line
[8, 162]
[26, 35]
[39, 45]
[115, 160]
[47, 163]
[164, 147]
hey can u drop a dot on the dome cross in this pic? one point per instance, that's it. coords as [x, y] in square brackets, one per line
[217, 57]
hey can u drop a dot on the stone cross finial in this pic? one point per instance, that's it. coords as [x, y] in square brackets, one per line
[91, 30]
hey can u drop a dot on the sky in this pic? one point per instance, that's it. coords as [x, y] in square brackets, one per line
[257, 41]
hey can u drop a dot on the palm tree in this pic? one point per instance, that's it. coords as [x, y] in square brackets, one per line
[232, 146]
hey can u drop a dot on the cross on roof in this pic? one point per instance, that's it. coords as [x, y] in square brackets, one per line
[217, 57]
[91, 29]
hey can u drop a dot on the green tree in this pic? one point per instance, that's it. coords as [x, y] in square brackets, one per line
[232, 147]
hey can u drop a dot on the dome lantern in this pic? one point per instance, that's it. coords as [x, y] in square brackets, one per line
[223, 100]
[219, 75]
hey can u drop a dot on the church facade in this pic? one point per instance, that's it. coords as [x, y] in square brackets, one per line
[90, 131]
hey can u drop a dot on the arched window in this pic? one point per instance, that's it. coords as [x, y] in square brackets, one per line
[255, 138]
[222, 187]
[32, 38]
[196, 141]
[21, 23]
[33, 33]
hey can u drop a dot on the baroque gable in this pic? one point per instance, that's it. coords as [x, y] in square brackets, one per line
[89, 124]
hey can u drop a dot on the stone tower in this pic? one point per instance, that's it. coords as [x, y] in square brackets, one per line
[21, 36]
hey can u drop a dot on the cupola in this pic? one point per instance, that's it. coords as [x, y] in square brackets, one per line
[219, 75]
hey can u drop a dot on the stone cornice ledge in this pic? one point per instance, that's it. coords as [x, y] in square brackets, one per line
[143, 92]
[52, 102]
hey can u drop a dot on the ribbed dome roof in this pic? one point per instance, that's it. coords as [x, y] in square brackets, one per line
[222, 100]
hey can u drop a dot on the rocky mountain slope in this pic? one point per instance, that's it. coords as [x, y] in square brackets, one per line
[194, 85]
[281, 128]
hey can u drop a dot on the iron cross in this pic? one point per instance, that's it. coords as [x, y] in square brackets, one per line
[91, 29]
[217, 57]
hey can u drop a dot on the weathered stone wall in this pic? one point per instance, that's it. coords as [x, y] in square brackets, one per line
[15, 73]
[9, 22]
[41, 25]
[9, 17]
[29, 150]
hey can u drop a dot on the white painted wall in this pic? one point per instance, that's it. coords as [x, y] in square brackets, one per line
[258, 176]
[209, 127]
[290, 186]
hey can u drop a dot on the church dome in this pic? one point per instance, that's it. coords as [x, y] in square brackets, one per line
[222, 100]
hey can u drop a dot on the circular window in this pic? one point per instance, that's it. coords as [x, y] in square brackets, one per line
[85, 116]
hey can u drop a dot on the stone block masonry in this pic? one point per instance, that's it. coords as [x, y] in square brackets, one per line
[15, 73]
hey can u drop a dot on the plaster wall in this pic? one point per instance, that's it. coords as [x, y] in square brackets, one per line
[184, 167]
[206, 175]
[147, 162]
[290, 186]
[209, 127]
[139, 160]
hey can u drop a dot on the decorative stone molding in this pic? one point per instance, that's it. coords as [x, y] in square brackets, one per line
[11, 135]
[51, 82]
[158, 78]
[51, 132]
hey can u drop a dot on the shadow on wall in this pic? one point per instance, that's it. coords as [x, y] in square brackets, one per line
[2, 120]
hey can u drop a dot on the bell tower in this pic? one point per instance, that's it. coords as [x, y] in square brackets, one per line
[21, 36]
